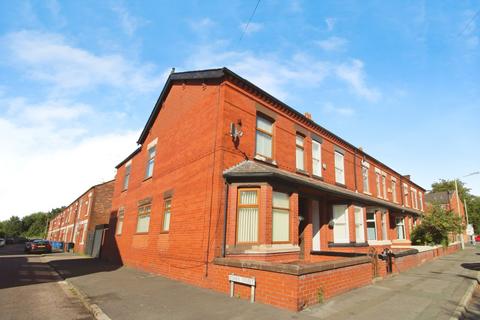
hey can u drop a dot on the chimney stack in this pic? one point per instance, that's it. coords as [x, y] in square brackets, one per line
[308, 115]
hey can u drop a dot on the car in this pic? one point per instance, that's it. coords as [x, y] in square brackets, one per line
[2, 242]
[40, 246]
[28, 244]
[477, 238]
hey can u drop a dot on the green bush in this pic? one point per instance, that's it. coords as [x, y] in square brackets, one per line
[436, 226]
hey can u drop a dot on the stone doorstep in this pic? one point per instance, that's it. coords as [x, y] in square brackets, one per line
[292, 268]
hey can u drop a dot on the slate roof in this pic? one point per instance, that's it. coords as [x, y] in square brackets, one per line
[254, 169]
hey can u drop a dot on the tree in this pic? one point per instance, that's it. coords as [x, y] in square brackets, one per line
[436, 226]
[13, 227]
[473, 202]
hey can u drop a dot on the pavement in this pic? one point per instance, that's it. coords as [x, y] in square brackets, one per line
[431, 291]
[31, 289]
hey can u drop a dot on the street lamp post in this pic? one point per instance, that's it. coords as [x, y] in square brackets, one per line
[462, 242]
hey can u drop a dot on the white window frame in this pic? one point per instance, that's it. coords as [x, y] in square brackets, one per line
[405, 195]
[120, 218]
[167, 212]
[264, 133]
[339, 167]
[317, 158]
[384, 185]
[414, 198]
[126, 177]
[150, 161]
[377, 183]
[365, 177]
[338, 224]
[140, 214]
[420, 199]
[400, 222]
[394, 190]
[359, 213]
[374, 220]
[300, 152]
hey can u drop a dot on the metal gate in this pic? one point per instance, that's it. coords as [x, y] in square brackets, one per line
[94, 241]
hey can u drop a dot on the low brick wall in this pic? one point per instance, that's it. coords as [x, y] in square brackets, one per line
[402, 264]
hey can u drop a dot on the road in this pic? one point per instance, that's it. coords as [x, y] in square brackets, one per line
[30, 289]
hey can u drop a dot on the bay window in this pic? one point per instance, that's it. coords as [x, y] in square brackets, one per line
[400, 223]
[371, 226]
[280, 217]
[247, 220]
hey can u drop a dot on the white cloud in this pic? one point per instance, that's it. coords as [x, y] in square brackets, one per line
[129, 23]
[267, 71]
[202, 24]
[50, 59]
[342, 111]
[252, 27]
[330, 22]
[332, 44]
[354, 75]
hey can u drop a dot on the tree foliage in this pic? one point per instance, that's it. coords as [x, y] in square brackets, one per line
[473, 202]
[31, 226]
[436, 226]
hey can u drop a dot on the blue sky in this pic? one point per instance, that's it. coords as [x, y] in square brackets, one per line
[78, 80]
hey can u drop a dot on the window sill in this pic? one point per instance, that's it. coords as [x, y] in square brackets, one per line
[340, 185]
[302, 172]
[317, 177]
[347, 245]
[147, 178]
[263, 248]
[140, 233]
[164, 232]
[367, 193]
[379, 242]
[265, 160]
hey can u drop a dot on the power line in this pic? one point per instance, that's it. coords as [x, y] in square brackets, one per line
[469, 22]
[249, 20]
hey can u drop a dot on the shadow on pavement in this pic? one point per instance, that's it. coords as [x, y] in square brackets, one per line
[70, 268]
[471, 266]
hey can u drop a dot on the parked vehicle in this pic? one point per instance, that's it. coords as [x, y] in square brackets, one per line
[2, 242]
[40, 246]
[477, 238]
[28, 244]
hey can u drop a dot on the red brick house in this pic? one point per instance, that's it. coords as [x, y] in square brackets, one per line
[78, 222]
[227, 179]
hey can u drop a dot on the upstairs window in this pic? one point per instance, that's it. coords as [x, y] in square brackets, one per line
[281, 217]
[151, 161]
[126, 178]
[414, 199]
[394, 190]
[121, 213]
[300, 152]
[366, 186]
[384, 185]
[166, 214]
[247, 223]
[420, 200]
[143, 219]
[316, 158]
[339, 168]
[264, 136]
[405, 195]
[377, 182]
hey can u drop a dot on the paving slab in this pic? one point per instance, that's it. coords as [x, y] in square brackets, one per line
[431, 291]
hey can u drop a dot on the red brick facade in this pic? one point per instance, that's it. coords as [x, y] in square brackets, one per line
[79, 219]
[172, 221]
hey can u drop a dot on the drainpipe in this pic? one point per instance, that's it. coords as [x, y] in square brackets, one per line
[224, 239]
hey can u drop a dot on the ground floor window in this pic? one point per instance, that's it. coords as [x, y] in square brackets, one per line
[359, 226]
[371, 226]
[280, 217]
[143, 219]
[166, 214]
[247, 217]
[340, 227]
[400, 222]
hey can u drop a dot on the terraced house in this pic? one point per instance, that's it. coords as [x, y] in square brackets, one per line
[84, 220]
[228, 180]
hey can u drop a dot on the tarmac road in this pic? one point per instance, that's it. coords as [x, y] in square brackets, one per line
[31, 289]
